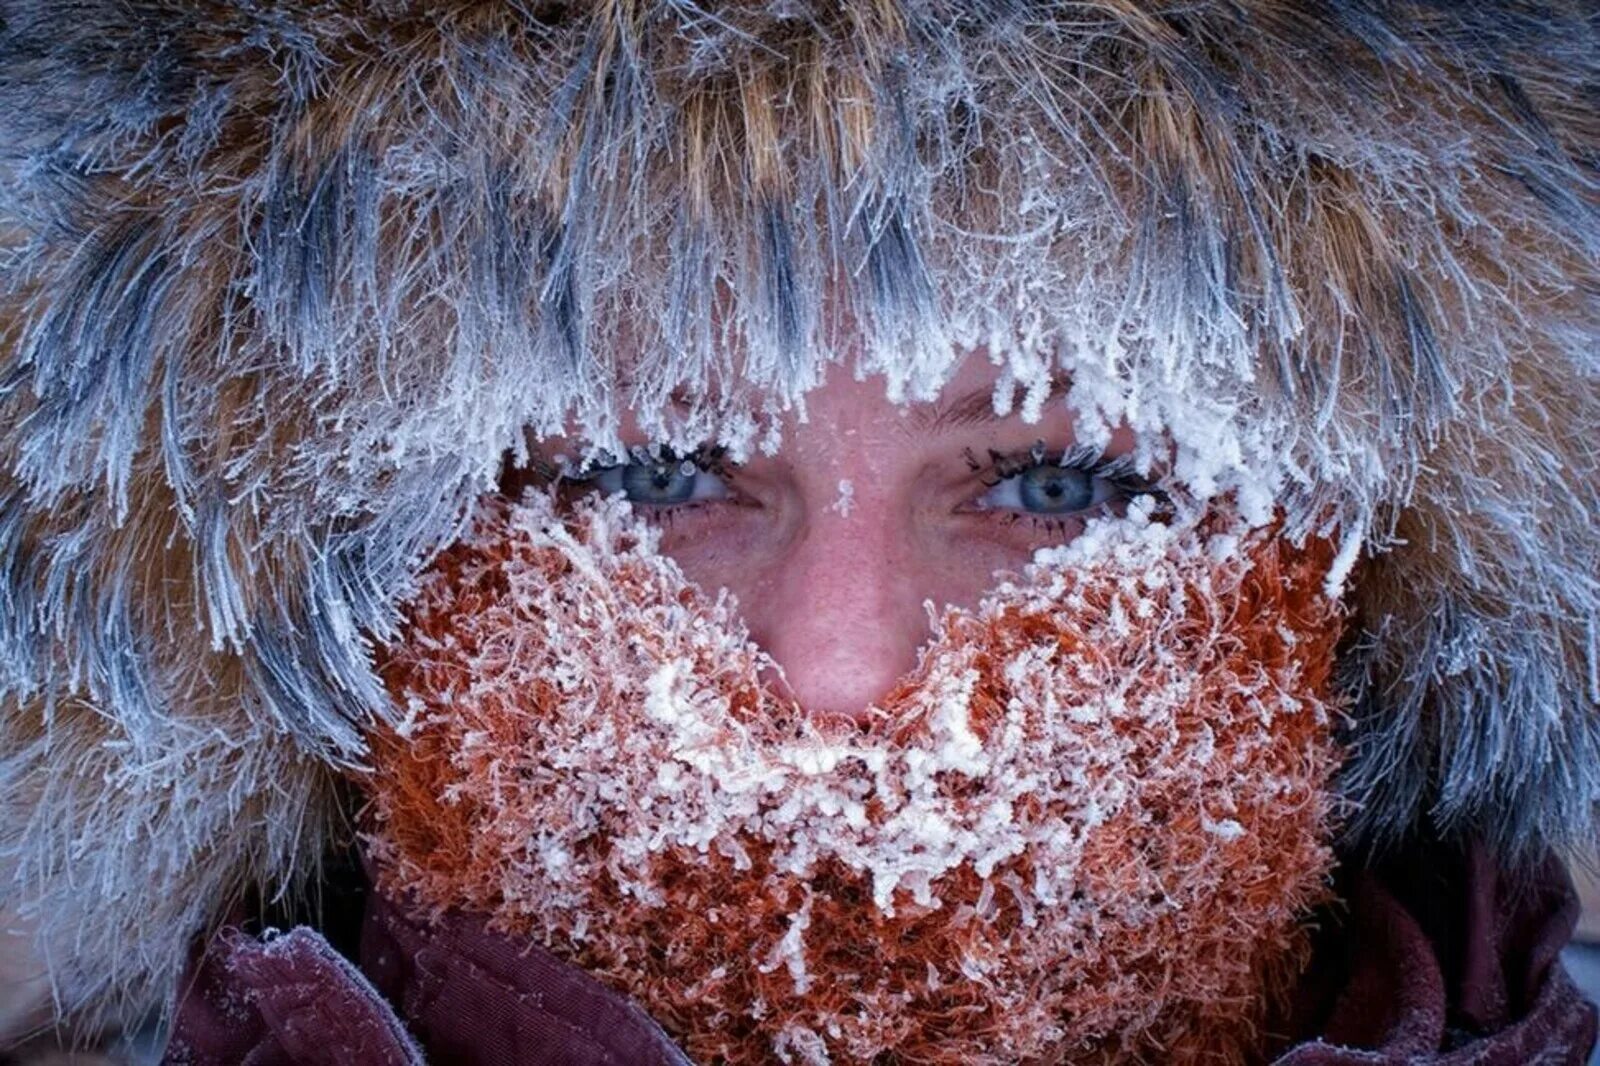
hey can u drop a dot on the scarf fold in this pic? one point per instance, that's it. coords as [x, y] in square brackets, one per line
[1408, 974]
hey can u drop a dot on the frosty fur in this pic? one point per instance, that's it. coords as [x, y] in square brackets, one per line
[1087, 827]
[281, 281]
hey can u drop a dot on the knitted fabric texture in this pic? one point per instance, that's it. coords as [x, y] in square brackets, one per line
[1086, 825]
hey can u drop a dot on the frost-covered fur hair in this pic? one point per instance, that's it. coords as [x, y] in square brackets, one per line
[281, 281]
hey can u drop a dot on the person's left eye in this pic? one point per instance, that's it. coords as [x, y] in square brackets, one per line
[1061, 487]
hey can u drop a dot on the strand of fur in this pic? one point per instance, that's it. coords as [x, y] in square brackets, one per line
[281, 283]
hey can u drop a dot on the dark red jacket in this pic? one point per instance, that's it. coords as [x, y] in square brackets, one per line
[1433, 959]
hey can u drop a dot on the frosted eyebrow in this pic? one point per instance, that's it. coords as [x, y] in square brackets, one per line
[969, 409]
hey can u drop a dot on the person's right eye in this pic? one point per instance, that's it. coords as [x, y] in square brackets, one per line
[665, 482]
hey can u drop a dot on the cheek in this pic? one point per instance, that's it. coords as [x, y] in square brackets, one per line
[950, 559]
[960, 557]
[721, 545]
[957, 570]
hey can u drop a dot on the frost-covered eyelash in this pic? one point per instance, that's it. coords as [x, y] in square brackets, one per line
[709, 459]
[543, 471]
[1118, 470]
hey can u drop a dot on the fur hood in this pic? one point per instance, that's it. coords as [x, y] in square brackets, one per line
[280, 283]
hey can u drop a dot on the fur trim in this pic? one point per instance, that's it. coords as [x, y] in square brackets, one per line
[282, 281]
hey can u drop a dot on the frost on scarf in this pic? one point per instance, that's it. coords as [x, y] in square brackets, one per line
[1087, 825]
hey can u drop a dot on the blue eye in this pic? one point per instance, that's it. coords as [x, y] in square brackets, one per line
[1051, 489]
[663, 483]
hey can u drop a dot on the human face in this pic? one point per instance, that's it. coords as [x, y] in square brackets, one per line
[1099, 752]
[869, 512]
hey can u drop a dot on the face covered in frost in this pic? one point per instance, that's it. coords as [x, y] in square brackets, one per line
[836, 544]
[1077, 811]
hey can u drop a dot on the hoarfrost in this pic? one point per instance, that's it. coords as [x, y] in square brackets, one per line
[1095, 692]
[847, 498]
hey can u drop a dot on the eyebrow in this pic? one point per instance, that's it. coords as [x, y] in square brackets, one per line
[969, 409]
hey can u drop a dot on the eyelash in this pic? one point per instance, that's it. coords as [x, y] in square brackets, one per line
[997, 467]
[710, 459]
[1119, 472]
[541, 472]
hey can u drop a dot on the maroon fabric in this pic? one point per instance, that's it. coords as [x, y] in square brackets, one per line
[1443, 960]
[474, 997]
[1439, 961]
[289, 1000]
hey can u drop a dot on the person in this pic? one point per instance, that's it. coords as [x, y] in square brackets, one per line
[801, 531]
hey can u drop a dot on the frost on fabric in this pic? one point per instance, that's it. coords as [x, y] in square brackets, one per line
[1087, 824]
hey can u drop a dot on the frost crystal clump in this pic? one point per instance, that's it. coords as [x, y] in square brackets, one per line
[1088, 823]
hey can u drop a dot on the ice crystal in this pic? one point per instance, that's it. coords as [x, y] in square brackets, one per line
[1107, 778]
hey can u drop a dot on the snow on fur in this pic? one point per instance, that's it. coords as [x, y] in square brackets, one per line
[280, 282]
[1087, 824]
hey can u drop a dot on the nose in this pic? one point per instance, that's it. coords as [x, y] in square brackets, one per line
[842, 612]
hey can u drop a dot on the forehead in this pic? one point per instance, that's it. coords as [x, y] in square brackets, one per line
[846, 401]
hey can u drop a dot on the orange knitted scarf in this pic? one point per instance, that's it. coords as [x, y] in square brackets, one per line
[1087, 827]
